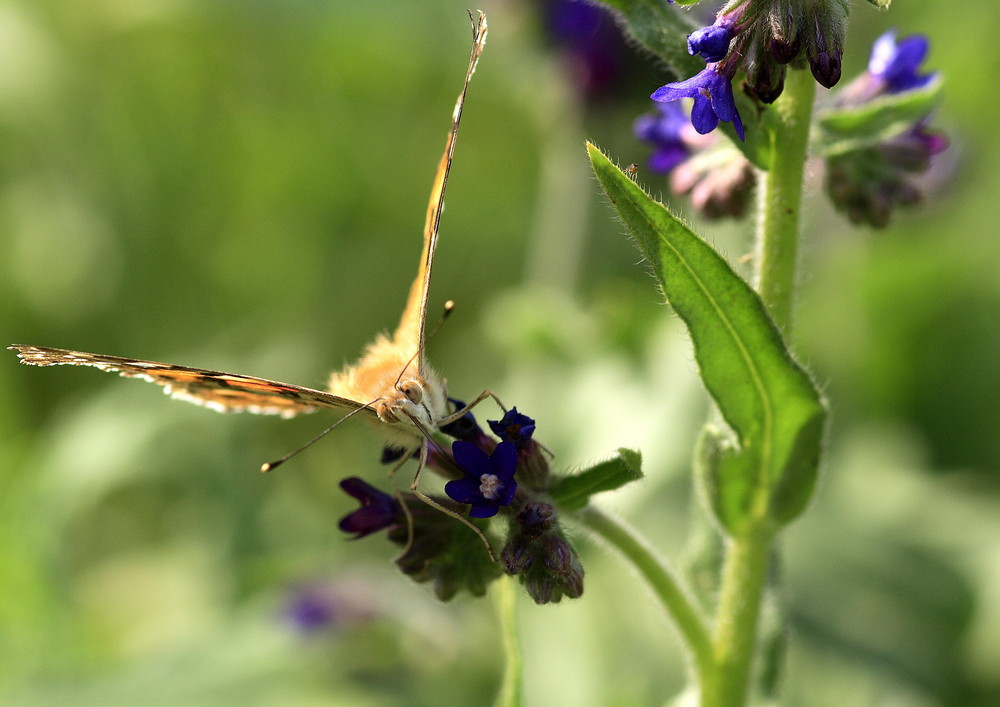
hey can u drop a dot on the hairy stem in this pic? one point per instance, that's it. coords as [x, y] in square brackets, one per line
[744, 578]
[780, 204]
[744, 575]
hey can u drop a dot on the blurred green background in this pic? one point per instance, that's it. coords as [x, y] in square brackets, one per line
[241, 186]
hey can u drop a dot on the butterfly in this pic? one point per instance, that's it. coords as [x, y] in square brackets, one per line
[392, 385]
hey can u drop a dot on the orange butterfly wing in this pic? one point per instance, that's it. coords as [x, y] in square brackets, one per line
[224, 392]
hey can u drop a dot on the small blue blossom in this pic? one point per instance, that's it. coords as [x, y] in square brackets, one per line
[896, 63]
[665, 131]
[378, 510]
[311, 609]
[513, 427]
[713, 99]
[489, 480]
[711, 42]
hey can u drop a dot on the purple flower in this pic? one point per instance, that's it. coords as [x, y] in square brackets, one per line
[378, 510]
[665, 131]
[489, 480]
[896, 63]
[513, 427]
[713, 99]
[311, 609]
[711, 42]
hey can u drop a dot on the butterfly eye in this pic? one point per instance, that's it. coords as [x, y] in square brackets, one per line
[413, 390]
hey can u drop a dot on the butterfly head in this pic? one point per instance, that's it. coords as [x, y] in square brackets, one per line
[414, 400]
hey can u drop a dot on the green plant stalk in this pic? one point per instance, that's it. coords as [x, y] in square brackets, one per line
[663, 581]
[744, 577]
[780, 194]
[505, 600]
[744, 574]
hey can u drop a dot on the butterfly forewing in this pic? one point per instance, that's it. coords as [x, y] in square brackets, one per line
[225, 392]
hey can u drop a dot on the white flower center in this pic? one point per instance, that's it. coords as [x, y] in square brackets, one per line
[489, 486]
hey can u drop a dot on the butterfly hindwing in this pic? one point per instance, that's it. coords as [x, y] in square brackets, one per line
[225, 392]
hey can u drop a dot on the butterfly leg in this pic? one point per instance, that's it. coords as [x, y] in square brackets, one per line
[480, 398]
[447, 511]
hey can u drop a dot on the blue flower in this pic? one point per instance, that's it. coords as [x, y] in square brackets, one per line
[489, 480]
[665, 132]
[713, 99]
[896, 63]
[711, 42]
[513, 427]
[378, 510]
[311, 609]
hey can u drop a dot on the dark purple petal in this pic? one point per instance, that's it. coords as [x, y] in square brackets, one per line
[484, 508]
[464, 490]
[897, 63]
[703, 117]
[470, 459]
[666, 158]
[378, 510]
[504, 460]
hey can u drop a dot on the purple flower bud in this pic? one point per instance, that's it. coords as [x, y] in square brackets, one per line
[827, 30]
[378, 510]
[767, 79]
[513, 427]
[826, 67]
[711, 42]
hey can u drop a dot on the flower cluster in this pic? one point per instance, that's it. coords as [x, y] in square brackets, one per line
[487, 477]
[868, 183]
[717, 177]
[762, 37]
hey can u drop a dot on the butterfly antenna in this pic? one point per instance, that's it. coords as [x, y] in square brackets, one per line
[271, 466]
[449, 307]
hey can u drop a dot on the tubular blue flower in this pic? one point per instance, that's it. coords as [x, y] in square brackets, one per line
[665, 131]
[896, 63]
[489, 480]
[378, 510]
[713, 99]
[513, 427]
[712, 42]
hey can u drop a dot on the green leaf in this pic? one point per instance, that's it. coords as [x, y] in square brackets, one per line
[661, 29]
[573, 492]
[766, 475]
[881, 4]
[853, 127]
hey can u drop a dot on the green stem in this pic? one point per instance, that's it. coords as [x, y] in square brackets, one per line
[505, 598]
[744, 577]
[664, 583]
[781, 196]
[744, 574]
